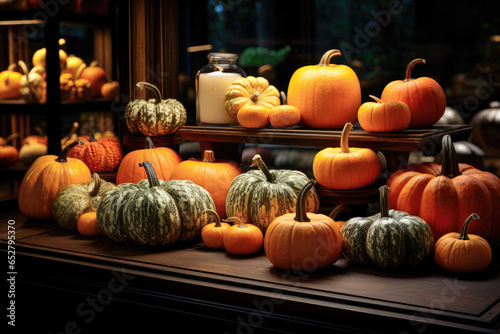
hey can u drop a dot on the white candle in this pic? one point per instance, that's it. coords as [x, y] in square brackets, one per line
[212, 90]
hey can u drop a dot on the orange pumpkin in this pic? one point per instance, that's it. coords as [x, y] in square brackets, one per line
[463, 252]
[163, 159]
[8, 153]
[284, 115]
[424, 96]
[212, 234]
[40, 54]
[303, 241]
[110, 90]
[327, 95]
[97, 77]
[241, 238]
[382, 116]
[444, 195]
[87, 225]
[41, 137]
[344, 167]
[214, 176]
[10, 82]
[44, 179]
[102, 155]
[253, 116]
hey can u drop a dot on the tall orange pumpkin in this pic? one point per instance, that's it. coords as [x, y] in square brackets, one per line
[45, 178]
[444, 196]
[344, 167]
[327, 95]
[163, 159]
[214, 176]
[424, 96]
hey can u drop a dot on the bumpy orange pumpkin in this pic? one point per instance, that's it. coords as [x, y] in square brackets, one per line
[463, 252]
[327, 95]
[284, 115]
[444, 195]
[382, 116]
[424, 96]
[44, 179]
[102, 155]
[344, 167]
[303, 241]
[163, 159]
[214, 176]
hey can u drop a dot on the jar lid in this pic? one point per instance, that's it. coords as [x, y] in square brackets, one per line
[220, 55]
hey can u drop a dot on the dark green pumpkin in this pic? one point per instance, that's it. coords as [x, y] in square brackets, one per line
[154, 213]
[389, 239]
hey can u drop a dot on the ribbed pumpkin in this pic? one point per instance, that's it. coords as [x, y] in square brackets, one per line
[102, 155]
[96, 75]
[327, 95]
[154, 213]
[284, 115]
[382, 116]
[213, 175]
[445, 195]
[8, 153]
[212, 234]
[154, 117]
[424, 96]
[76, 199]
[303, 241]
[389, 239]
[242, 238]
[163, 159]
[251, 91]
[45, 178]
[259, 196]
[253, 116]
[346, 167]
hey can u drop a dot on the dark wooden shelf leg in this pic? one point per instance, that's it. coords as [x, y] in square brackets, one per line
[396, 160]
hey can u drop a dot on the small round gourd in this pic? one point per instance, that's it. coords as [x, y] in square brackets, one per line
[212, 234]
[242, 238]
[87, 225]
[253, 116]
[382, 116]
[284, 115]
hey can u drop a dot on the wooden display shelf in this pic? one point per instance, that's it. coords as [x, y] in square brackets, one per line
[197, 287]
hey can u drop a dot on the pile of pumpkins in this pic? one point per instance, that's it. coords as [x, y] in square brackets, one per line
[78, 82]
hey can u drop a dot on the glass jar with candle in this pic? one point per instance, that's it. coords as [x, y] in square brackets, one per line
[212, 81]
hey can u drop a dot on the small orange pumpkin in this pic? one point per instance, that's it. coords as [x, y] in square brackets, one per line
[242, 239]
[284, 115]
[87, 225]
[213, 234]
[10, 82]
[382, 116]
[96, 75]
[253, 116]
[8, 153]
[463, 252]
[344, 167]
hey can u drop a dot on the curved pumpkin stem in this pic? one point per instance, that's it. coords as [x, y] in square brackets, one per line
[255, 96]
[336, 210]
[151, 174]
[23, 67]
[236, 220]
[327, 57]
[63, 157]
[217, 218]
[257, 161]
[97, 185]
[149, 143]
[283, 98]
[208, 156]
[450, 167]
[79, 70]
[11, 136]
[384, 201]
[301, 211]
[465, 227]
[378, 100]
[410, 67]
[344, 140]
[151, 87]
[92, 136]
[12, 67]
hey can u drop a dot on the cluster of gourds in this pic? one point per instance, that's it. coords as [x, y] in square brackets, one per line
[32, 147]
[78, 82]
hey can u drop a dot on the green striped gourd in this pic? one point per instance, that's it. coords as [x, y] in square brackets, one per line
[155, 117]
[154, 213]
[389, 239]
[259, 196]
[76, 199]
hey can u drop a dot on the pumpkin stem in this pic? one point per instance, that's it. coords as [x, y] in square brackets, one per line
[39, 130]
[24, 68]
[217, 218]
[410, 66]
[149, 143]
[97, 185]
[301, 211]
[465, 227]
[327, 57]
[384, 201]
[378, 100]
[283, 98]
[257, 161]
[450, 167]
[79, 70]
[92, 136]
[150, 172]
[149, 86]
[336, 210]
[94, 63]
[12, 67]
[344, 139]
[208, 156]
[255, 96]
[12, 136]
[236, 220]
[63, 157]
